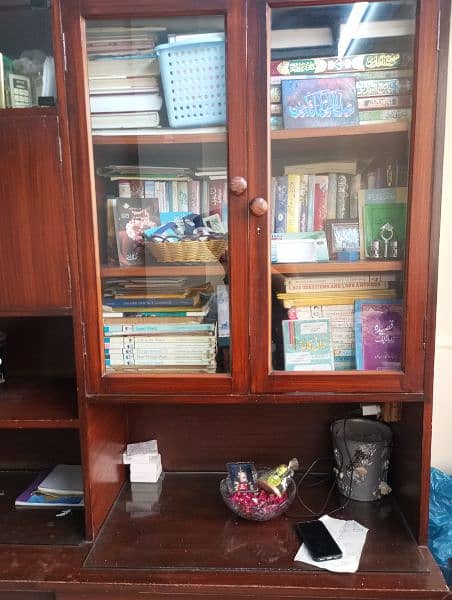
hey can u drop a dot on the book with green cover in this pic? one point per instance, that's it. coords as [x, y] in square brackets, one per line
[377, 216]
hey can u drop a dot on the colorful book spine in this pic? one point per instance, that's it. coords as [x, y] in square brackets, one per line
[293, 203]
[388, 114]
[357, 281]
[276, 122]
[276, 108]
[275, 94]
[384, 102]
[320, 201]
[342, 196]
[120, 330]
[360, 62]
[157, 302]
[383, 87]
[304, 184]
[182, 195]
[217, 196]
[311, 199]
[194, 196]
[281, 204]
[332, 192]
[355, 186]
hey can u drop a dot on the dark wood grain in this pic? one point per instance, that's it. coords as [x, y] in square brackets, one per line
[360, 266]
[38, 403]
[32, 223]
[164, 529]
[205, 438]
[104, 471]
[332, 132]
[30, 449]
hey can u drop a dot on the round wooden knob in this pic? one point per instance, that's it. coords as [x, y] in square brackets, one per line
[258, 207]
[238, 185]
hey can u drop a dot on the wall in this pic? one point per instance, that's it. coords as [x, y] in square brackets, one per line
[441, 444]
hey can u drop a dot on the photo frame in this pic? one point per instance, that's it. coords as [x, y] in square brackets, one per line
[242, 477]
[342, 234]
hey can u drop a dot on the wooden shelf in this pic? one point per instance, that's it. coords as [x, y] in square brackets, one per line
[320, 132]
[361, 266]
[166, 270]
[163, 136]
[34, 111]
[34, 526]
[174, 136]
[182, 539]
[38, 404]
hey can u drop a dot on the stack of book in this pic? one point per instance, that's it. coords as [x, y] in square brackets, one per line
[124, 78]
[328, 92]
[60, 487]
[333, 298]
[155, 326]
[309, 194]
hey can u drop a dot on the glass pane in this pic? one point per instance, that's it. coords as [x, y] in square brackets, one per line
[27, 70]
[158, 114]
[341, 93]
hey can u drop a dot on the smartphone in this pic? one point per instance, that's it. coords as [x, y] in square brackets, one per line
[318, 540]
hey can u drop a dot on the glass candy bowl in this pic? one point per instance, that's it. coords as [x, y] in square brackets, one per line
[258, 506]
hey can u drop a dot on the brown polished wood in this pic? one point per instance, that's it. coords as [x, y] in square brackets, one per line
[238, 185]
[38, 403]
[202, 422]
[32, 222]
[360, 266]
[333, 132]
[258, 207]
[86, 222]
[161, 136]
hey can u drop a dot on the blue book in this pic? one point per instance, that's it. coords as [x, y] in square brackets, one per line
[157, 302]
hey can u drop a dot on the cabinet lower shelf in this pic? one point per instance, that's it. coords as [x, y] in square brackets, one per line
[34, 526]
[33, 403]
[191, 529]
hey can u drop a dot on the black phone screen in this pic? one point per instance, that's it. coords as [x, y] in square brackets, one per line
[318, 540]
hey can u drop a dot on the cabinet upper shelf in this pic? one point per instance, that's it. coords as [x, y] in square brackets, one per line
[204, 136]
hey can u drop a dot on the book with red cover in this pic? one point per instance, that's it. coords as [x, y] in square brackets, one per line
[320, 201]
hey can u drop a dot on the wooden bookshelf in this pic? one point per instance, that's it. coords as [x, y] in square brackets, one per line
[336, 132]
[174, 136]
[163, 136]
[361, 266]
[32, 403]
[166, 270]
[33, 111]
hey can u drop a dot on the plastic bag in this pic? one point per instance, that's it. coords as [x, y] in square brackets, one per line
[440, 521]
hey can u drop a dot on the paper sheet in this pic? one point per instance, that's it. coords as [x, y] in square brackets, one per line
[350, 537]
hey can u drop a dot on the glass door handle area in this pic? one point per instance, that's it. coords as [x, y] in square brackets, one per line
[258, 207]
[238, 185]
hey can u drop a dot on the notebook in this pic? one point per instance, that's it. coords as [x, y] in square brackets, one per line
[63, 480]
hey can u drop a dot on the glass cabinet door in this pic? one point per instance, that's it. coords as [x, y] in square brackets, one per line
[346, 202]
[167, 233]
[27, 69]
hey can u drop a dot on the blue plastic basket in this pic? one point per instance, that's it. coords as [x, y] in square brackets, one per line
[194, 83]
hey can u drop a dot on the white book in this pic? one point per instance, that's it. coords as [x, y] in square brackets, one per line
[63, 480]
[113, 103]
[301, 37]
[125, 121]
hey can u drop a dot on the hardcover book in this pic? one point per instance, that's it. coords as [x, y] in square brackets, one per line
[319, 103]
[360, 62]
[378, 334]
[383, 87]
[132, 217]
[341, 317]
[308, 345]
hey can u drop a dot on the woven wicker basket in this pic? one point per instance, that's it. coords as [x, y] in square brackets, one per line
[186, 250]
